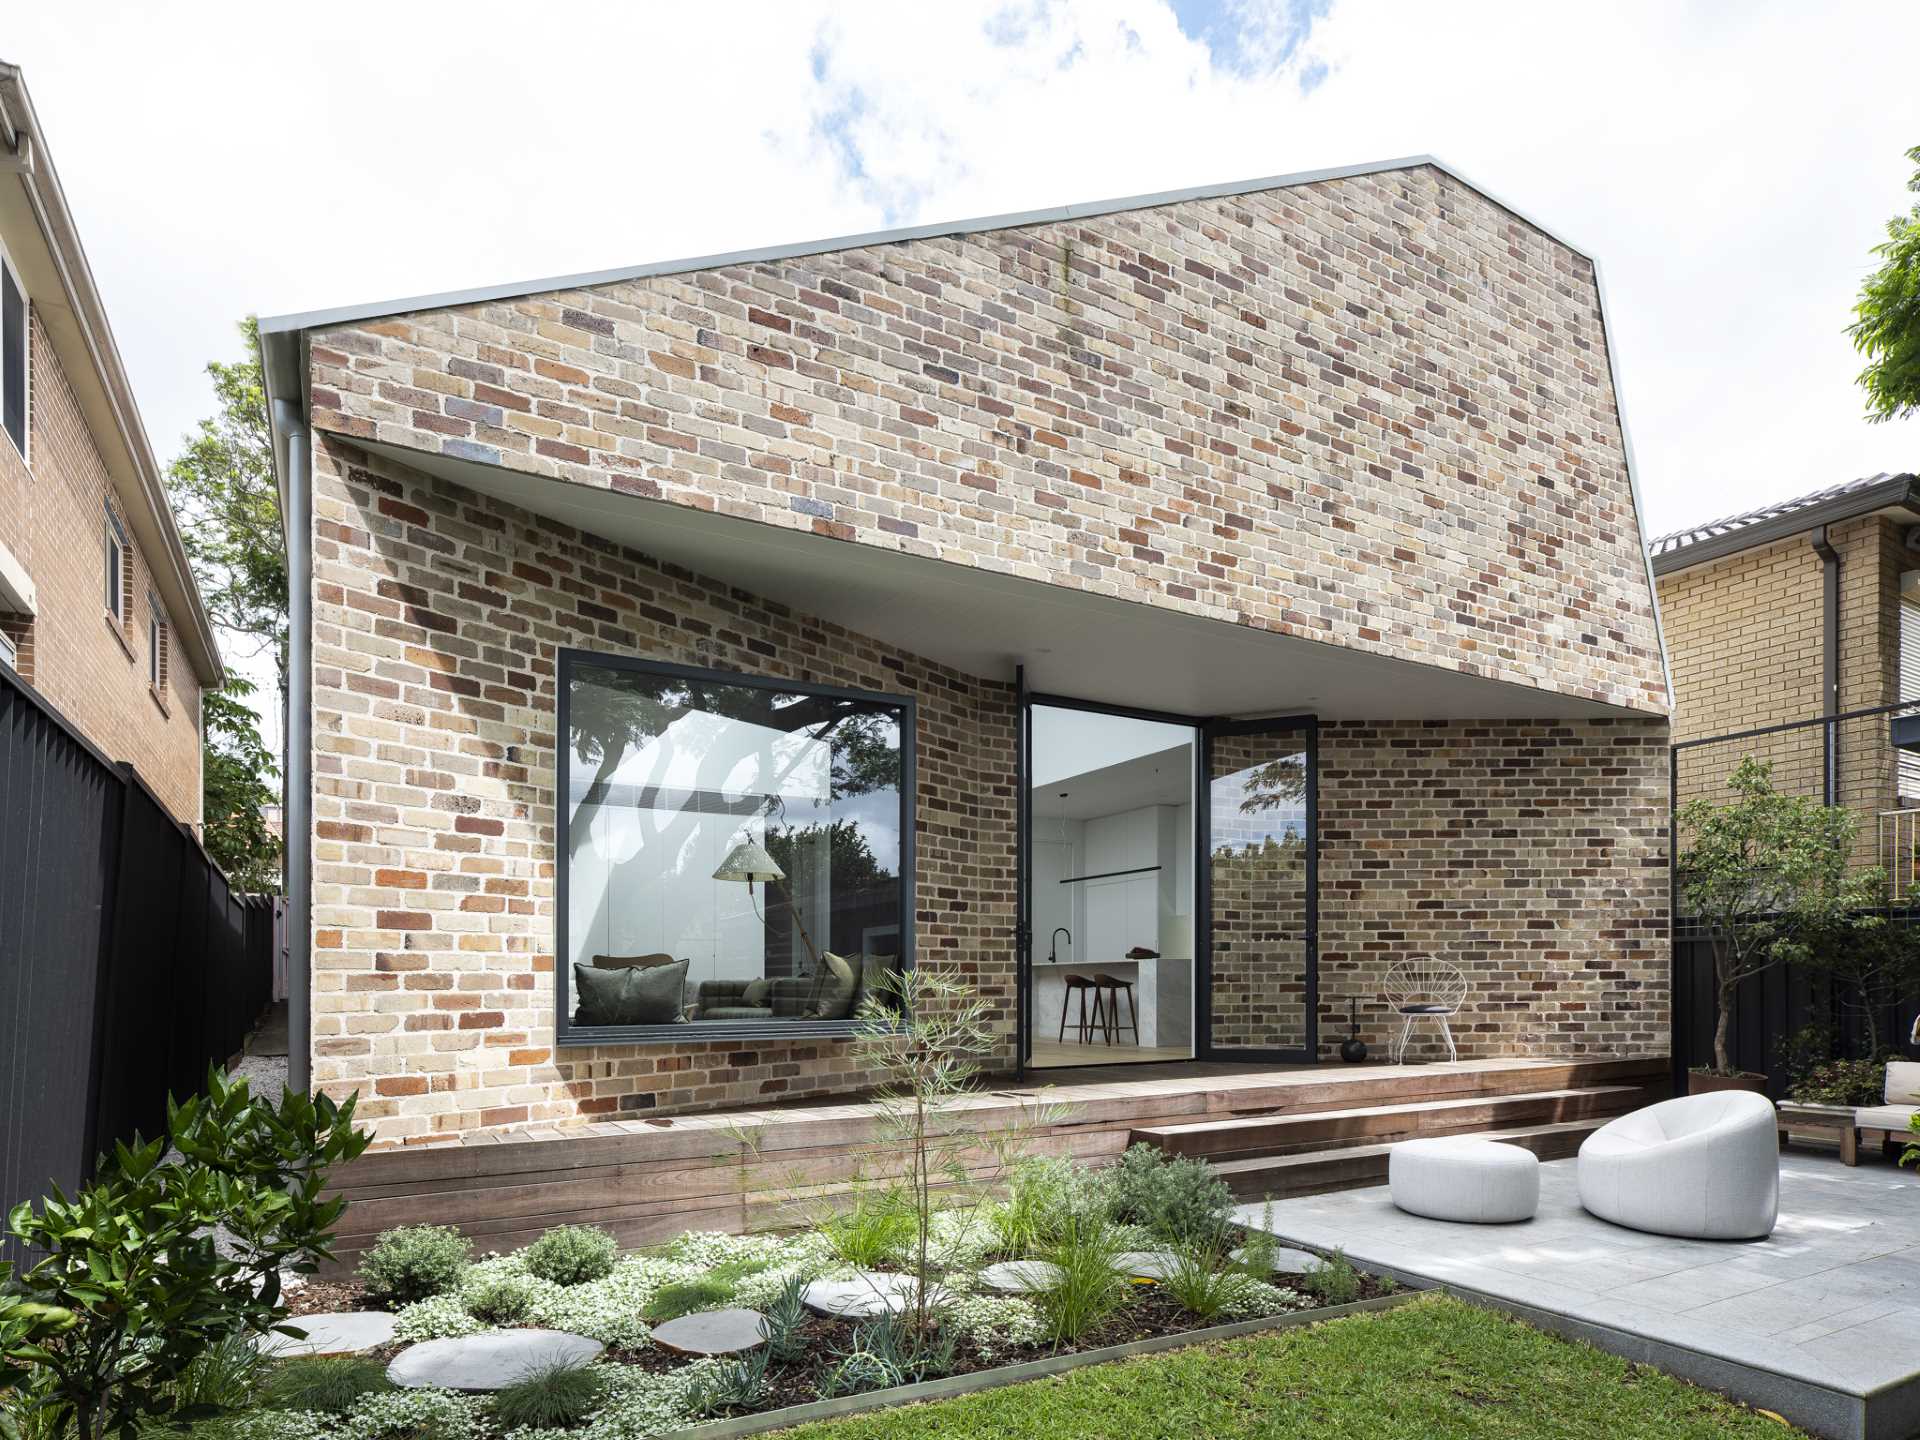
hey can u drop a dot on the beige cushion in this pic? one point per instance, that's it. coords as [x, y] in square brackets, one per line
[833, 989]
[1903, 1082]
[1884, 1117]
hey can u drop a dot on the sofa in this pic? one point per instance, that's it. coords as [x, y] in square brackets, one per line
[1702, 1167]
[791, 997]
[1901, 1102]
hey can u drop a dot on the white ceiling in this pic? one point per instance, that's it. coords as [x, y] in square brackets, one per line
[1089, 647]
[1165, 778]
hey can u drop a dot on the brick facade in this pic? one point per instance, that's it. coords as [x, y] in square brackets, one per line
[90, 668]
[1372, 412]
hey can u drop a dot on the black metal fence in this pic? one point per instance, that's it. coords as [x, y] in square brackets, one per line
[1866, 761]
[127, 964]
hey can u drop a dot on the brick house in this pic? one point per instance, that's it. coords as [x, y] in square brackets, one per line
[1212, 597]
[1797, 610]
[98, 608]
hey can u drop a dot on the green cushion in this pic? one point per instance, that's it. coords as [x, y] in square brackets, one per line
[756, 992]
[876, 972]
[833, 989]
[653, 996]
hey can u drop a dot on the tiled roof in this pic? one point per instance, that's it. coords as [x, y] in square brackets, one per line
[1801, 507]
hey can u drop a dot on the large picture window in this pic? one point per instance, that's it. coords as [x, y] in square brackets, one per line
[736, 854]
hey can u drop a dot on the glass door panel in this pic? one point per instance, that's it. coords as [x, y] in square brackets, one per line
[1259, 870]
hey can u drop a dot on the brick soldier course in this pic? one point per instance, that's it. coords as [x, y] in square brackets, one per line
[1373, 411]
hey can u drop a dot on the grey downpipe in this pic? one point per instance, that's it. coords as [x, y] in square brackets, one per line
[1829, 658]
[297, 809]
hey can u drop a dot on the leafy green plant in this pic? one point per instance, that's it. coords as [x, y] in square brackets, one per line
[1086, 1287]
[1886, 325]
[1842, 1082]
[1178, 1199]
[415, 1262]
[1259, 1246]
[787, 1317]
[1042, 1194]
[572, 1255]
[877, 1227]
[556, 1398]
[704, 1292]
[1203, 1281]
[855, 1373]
[1334, 1281]
[330, 1384]
[225, 1376]
[503, 1300]
[1763, 875]
[131, 1289]
[730, 1386]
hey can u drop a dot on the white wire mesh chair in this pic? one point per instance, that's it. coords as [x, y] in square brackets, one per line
[1422, 987]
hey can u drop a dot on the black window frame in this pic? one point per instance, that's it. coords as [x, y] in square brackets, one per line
[569, 1035]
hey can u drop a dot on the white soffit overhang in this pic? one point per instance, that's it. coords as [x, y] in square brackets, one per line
[1090, 647]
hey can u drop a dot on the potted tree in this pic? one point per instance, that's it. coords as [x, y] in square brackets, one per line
[1762, 876]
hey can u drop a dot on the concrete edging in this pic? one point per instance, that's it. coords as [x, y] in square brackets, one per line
[955, 1386]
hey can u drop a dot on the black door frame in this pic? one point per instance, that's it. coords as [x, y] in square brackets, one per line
[1309, 727]
[1204, 728]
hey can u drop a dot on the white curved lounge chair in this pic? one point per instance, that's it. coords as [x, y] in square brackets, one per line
[1703, 1167]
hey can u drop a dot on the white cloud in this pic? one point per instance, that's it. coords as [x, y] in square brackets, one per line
[1729, 165]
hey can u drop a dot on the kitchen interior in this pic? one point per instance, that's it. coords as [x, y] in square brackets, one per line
[1112, 909]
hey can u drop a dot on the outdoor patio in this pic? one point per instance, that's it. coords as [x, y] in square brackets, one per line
[1820, 1322]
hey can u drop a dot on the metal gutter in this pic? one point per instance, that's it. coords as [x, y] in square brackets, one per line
[1829, 652]
[1896, 490]
[49, 204]
[296, 813]
[348, 314]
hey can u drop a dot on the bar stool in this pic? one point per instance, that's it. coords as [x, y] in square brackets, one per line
[1107, 990]
[1078, 986]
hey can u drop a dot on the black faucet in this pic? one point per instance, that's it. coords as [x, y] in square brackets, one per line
[1053, 946]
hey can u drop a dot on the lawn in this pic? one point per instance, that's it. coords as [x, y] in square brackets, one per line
[1433, 1368]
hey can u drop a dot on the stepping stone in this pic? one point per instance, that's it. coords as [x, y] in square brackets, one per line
[344, 1332]
[1020, 1277]
[1145, 1264]
[868, 1294]
[712, 1332]
[1288, 1261]
[491, 1361]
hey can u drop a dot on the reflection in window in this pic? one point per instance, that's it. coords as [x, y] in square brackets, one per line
[734, 849]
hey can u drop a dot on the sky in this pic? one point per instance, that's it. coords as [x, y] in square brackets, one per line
[1729, 165]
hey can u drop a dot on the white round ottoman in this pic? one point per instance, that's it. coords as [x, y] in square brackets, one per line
[1456, 1178]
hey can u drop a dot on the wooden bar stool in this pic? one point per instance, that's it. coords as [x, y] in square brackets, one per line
[1107, 990]
[1078, 986]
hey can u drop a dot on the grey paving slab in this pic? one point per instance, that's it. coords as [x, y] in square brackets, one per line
[344, 1332]
[491, 1361]
[1820, 1321]
[731, 1331]
[1019, 1277]
[869, 1293]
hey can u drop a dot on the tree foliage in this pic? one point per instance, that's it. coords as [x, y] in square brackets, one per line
[1886, 327]
[238, 768]
[1764, 876]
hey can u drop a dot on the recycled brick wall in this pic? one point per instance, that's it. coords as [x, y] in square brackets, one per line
[89, 667]
[437, 617]
[1531, 854]
[1373, 411]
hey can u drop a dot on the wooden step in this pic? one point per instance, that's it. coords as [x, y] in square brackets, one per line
[1283, 1134]
[1279, 1177]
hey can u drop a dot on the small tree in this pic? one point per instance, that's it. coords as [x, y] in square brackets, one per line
[238, 767]
[1762, 876]
[1873, 965]
[1886, 327]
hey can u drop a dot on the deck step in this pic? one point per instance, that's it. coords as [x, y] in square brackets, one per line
[1276, 1135]
[1278, 1177]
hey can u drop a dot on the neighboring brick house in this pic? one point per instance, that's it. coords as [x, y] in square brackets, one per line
[98, 608]
[1789, 612]
[613, 592]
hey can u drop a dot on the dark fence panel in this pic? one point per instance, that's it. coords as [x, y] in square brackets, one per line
[127, 965]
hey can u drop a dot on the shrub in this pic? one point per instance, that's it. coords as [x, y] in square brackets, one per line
[225, 1376]
[415, 1262]
[1177, 1199]
[704, 1292]
[879, 1226]
[327, 1383]
[1088, 1289]
[786, 1322]
[1842, 1082]
[1202, 1281]
[572, 1255]
[1334, 1281]
[1043, 1196]
[557, 1398]
[1259, 1246]
[503, 1300]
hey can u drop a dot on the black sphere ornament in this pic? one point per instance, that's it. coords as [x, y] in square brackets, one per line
[1353, 1049]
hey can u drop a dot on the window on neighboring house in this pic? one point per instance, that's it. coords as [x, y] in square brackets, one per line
[13, 358]
[737, 852]
[1910, 678]
[7, 651]
[157, 645]
[118, 569]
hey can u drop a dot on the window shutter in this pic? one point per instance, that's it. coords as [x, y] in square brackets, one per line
[1909, 690]
[13, 359]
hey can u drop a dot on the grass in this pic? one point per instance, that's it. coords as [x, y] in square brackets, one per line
[1430, 1370]
[323, 1382]
[707, 1292]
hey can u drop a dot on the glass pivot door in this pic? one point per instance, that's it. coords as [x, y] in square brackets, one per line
[1258, 872]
